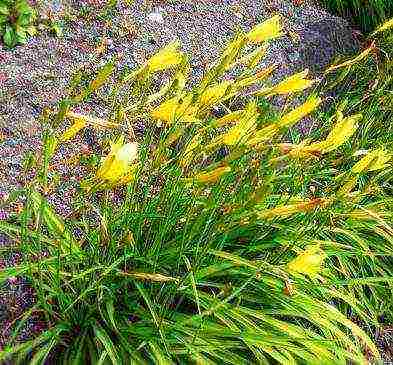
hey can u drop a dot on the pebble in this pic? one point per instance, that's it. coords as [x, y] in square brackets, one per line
[156, 17]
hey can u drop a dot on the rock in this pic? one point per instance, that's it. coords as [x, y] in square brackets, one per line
[322, 39]
[155, 17]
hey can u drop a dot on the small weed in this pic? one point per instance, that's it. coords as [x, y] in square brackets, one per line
[16, 21]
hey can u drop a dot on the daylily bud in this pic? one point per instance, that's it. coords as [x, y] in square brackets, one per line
[166, 58]
[265, 31]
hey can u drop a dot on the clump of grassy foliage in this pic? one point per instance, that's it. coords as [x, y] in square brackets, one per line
[366, 86]
[224, 245]
[366, 14]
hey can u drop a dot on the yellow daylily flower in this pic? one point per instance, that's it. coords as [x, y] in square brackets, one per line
[212, 176]
[226, 61]
[287, 120]
[266, 31]
[130, 176]
[71, 132]
[213, 94]
[300, 112]
[229, 118]
[117, 165]
[167, 57]
[374, 160]
[292, 84]
[246, 124]
[175, 108]
[167, 110]
[262, 135]
[341, 132]
[309, 262]
[232, 51]
[288, 210]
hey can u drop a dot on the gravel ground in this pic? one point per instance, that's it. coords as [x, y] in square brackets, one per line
[36, 75]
